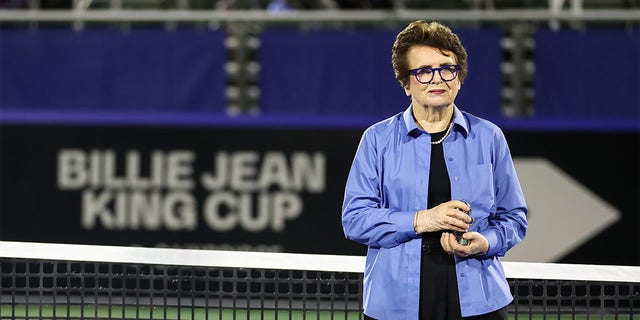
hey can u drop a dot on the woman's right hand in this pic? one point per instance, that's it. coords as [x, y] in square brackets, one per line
[449, 216]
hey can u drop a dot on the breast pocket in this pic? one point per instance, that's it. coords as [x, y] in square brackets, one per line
[481, 187]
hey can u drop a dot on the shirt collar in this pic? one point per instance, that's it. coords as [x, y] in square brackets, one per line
[458, 119]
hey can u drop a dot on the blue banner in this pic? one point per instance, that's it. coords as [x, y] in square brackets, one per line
[350, 73]
[593, 73]
[106, 70]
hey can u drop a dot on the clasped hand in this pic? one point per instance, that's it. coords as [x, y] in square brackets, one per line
[450, 216]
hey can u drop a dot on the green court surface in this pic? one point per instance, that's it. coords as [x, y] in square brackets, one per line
[20, 312]
[170, 313]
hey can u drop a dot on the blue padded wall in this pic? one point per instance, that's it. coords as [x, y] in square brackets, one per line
[112, 70]
[327, 72]
[588, 74]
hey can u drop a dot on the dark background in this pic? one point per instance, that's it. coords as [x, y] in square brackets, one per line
[35, 210]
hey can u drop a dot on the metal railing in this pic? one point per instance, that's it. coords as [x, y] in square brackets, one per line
[320, 16]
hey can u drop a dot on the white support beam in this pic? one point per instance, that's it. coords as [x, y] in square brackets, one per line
[401, 15]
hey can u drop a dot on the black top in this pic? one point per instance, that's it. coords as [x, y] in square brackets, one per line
[439, 184]
[439, 299]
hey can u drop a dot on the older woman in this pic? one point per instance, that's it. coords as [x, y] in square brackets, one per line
[434, 194]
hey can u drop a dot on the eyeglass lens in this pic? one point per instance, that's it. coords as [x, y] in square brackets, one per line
[447, 73]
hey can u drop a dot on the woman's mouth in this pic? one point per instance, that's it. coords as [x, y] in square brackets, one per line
[437, 91]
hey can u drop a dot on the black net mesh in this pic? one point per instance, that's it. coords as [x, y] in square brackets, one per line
[38, 289]
[49, 289]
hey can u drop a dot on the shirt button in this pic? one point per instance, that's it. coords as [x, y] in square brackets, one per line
[450, 158]
[456, 178]
[462, 274]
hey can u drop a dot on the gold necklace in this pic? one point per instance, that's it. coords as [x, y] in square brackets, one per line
[445, 135]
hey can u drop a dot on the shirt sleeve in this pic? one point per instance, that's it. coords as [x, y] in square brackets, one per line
[508, 224]
[364, 220]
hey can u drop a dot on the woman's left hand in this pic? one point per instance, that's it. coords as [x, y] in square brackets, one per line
[478, 244]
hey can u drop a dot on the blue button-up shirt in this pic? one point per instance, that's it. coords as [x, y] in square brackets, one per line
[387, 185]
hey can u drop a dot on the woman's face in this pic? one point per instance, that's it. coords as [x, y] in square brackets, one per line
[438, 93]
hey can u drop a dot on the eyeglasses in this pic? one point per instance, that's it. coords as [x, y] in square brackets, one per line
[425, 75]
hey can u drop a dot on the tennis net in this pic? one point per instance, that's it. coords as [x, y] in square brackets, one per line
[64, 281]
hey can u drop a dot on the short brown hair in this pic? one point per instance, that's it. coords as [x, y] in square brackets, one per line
[431, 34]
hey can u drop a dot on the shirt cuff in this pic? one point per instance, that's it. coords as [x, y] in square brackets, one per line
[494, 239]
[405, 225]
